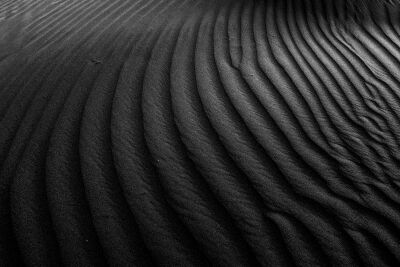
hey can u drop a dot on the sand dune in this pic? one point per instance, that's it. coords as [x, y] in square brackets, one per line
[199, 133]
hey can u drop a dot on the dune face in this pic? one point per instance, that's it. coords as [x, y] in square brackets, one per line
[199, 133]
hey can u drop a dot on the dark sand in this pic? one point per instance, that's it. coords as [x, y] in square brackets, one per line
[199, 133]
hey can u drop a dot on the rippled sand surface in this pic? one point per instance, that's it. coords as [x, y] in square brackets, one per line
[199, 133]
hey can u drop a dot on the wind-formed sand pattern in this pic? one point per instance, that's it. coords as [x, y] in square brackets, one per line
[199, 133]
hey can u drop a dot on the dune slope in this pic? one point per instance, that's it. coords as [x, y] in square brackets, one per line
[199, 133]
